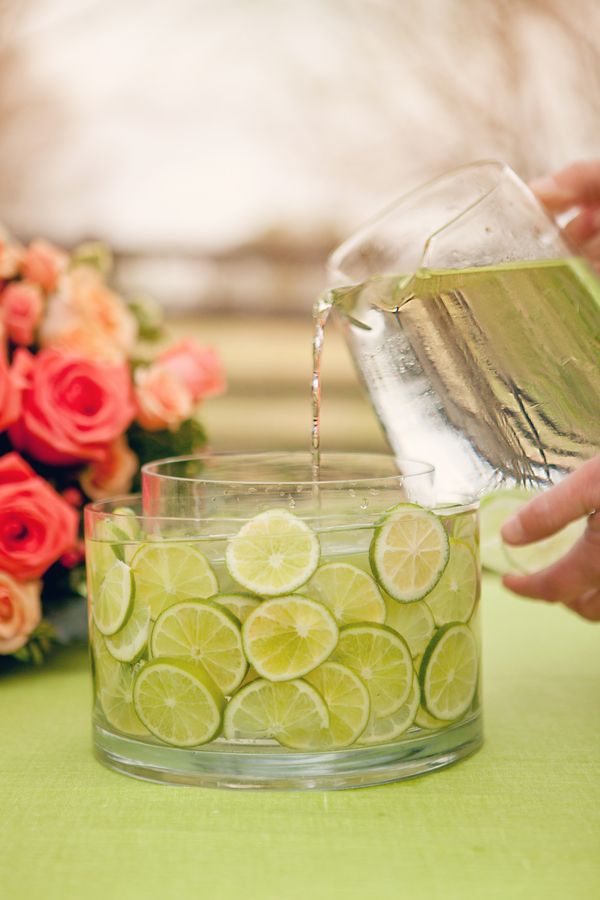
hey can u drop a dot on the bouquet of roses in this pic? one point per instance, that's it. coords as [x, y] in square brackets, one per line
[83, 403]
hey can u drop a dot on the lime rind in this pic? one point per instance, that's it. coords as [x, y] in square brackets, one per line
[129, 643]
[204, 631]
[448, 673]
[169, 572]
[454, 597]
[409, 552]
[347, 700]
[273, 554]
[239, 605]
[178, 702]
[286, 637]
[112, 603]
[349, 592]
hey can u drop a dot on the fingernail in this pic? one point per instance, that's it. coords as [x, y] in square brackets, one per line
[512, 530]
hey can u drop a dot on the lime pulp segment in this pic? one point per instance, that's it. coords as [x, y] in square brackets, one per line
[350, 593]
[448, 672]
[454, 596]
[347, 700]
[388, 728]
[239, 605]
[494, 510]
[168, 572]
[128, 644]
[116, 700]
[413, 621]
[114, 600]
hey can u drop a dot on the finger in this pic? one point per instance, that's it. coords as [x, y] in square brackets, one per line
[576, 185]
[588, 606]
[591, 249]
[584, 225]
[575, 497]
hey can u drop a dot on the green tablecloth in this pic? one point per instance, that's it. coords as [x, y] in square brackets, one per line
[521, 819]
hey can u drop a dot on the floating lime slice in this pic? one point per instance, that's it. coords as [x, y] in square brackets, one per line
[347, 700]
[388, 728]
[204, 631]
[448, 673]
[424, 720]
[544, 553]
[105, 667]
[116, 700]
[494, 510]
[128, 644]
[240, 605]
[273, 554]
[454, 596]
[113, 602]
[349, 592]
[413, 621]
[286, 637]
[177, 700]
[409, 552]
[381, 659]
[464, 527]
[290, 712]
[168, 572]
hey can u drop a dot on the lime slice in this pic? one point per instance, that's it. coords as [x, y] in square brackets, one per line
[381, 658]
[116, 700]
[424, 720]
[454, 596]
[286, 637]
[128, 644]
[206, 632]
[347, 700]
[105, 667]
[273, 554]
[380, 731]
[100, 556]
[349, 592]
[545, 552]
[494, 510]
[448, 673]
[240, 605]
[290, 712]
[409, 552]
[113, 602]
[168, 572]
[413, 621]
[177, 700]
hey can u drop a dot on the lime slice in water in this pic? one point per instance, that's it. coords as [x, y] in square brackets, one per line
[409, 552]
[381, 659]
[494, 510]
[448, 673]
[240, 605]
[464, 527]
[388, 728]
[413, 621]
[286, 637]
[113, 602]
[291, 712]
[273, 554]
[347, 700]
[424, 720]
[129, 643]
[116, 700]
[168, 572]
[105, 667]
[177, 700]
[454, 596]
[206, 632]
[349, 592]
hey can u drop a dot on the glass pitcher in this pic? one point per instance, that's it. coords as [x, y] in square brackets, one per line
[476, 331]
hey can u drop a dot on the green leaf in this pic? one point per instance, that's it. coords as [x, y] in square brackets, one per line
[189, 438]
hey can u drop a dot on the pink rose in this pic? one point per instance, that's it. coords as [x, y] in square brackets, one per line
[112, 475]
[199, 368]
[87, 319]
[36, 525]
[43, 263]
[21, 306]
[72, 408]
[10, 393]
[163, 400]
[10, 259]
[20, 612]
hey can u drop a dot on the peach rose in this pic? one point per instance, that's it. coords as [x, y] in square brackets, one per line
[21, 306]
[10, 259]
[112, 475]
[43, 263]
[11, 385]
[199, 368]
[88, 319]
[163, 400]
[20, 612]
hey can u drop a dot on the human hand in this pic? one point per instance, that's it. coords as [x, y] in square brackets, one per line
[575, 579]
[578, 185]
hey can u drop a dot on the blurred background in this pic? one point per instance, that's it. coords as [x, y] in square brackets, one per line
[224, 147]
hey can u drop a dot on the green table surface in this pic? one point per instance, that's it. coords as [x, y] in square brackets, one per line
[520, 819]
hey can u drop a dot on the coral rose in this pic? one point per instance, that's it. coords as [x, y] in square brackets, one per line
[72, 408]
[86, 318]
[20, 612]
[112, 475]
[21, 306]
[199, 368]
[43, 264]
[36, 525]
[10, 392]
[163, 400]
